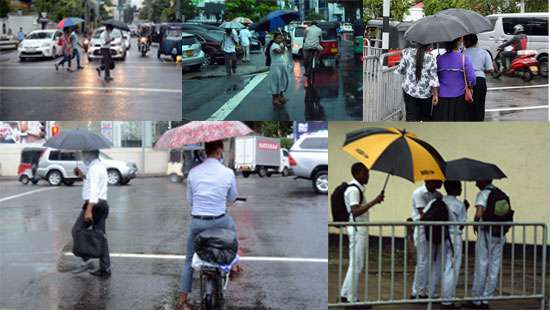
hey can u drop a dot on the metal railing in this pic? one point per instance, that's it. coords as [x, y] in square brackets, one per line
[382, 95]
[519, 285]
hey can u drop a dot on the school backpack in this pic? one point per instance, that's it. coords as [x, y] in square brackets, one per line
[338, 204]
[498, 210]
[438, 212]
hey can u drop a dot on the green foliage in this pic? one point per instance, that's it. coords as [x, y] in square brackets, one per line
[5, 8]
[314, 16]
[398, 8]
[59, 9]
[253, 9]
[157, 10]
[286, 143]
[188, 9]
[485, 7]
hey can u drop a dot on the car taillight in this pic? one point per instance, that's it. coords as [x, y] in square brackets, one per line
[23, 167]
[291, 160]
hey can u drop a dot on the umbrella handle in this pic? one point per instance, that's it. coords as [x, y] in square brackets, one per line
[386, 182]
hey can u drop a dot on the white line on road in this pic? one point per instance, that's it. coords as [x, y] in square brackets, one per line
[517, 108]
[27, 193]
[517, 87]
[161, 67]
[131, 89]
[234, 102]
[242, 258]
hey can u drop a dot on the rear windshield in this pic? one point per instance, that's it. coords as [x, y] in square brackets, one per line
[40, 35]
[189, 40]
[299, 32]
[27, 157]
[114, 34]
[315, 143]
[173, 33]
[534, 26]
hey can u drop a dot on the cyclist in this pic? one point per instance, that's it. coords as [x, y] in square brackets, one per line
[312, 45]
[518, 42]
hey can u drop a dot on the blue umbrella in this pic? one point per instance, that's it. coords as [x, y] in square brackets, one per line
[276, 20]
[69, 22]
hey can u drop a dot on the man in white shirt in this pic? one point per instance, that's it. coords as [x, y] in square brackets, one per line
[420, 199]
[358, 236]
[95, 209]
[106, 59]
[245, 37]
[229, 45]
[312, 45]
[211, 187]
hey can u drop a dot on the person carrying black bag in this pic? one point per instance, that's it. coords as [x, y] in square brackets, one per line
[93, 215]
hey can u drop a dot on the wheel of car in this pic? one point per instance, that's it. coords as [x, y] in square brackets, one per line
[285, 172]
[174, 178]
[246, 174]
[55, 178]
[113, 177]
[320, 182]
[24, 179]
[262, 172]
[543, 66]
[207, 60]
[68, 182]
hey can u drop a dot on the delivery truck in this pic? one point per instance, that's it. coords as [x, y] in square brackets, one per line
[261, 155]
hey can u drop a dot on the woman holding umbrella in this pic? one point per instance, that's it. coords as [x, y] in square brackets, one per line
[278, 74]
[65, 42]
[482, 63]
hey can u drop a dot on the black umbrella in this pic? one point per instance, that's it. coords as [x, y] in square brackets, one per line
[116, 24]
[436, 28]
[474, 21]
[466, 169]
[78, 140]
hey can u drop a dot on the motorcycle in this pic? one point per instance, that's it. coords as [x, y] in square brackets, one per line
[143, 46]
[524, 65]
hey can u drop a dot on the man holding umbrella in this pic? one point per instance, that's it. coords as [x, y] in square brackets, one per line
[229, 45]
[106, 60]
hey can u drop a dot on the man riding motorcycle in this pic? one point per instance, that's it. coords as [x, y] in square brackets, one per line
[145, 32]
[518, 42]
[312, 45]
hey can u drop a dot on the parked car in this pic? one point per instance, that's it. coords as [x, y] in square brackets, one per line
[29, 156]
[192, 54]
[309, 159]
[57, 166]
[126, 36]
[297, 39]
[211, 45]
[261, 155]
[170, 42]
[536, 29]
[39, 44]
[118, 47]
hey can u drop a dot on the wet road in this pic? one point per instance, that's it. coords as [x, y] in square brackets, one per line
[335, 95]
[149, 216]
[144, 88]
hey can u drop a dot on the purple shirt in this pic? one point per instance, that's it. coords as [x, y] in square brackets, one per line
[451, 74]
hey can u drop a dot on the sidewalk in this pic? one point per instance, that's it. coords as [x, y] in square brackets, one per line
[256, 65]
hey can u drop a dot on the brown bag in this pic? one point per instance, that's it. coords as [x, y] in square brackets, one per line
[467, 90]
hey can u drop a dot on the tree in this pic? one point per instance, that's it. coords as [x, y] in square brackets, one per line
[253, 9]
[314, 16]
[59, 9]
[5, 8]
[398, 8]
[129, 14]
[188, 9]
[157, 10]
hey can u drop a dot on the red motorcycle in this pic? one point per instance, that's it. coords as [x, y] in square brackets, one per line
[525, 65]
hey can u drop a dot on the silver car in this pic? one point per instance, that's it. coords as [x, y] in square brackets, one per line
[309, 159]
[191, 51]
[57, 166]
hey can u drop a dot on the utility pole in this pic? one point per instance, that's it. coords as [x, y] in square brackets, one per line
[178, 10]
[522, 6]
[386, 25]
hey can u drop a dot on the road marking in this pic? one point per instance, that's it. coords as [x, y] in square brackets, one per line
[517, 108]
[242, 258]
[146, 90]
[517, 87]
[27, 193]
[234, 102]
[162, 66]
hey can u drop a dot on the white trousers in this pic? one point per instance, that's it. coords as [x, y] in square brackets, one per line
[420, 282]
[451, 268]
[246, 51]
[487, 265]
[357, 252]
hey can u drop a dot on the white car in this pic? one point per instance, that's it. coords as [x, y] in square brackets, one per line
[309, 159]
[297, 39]
[118, 46]
[127, 36]
[40, 43]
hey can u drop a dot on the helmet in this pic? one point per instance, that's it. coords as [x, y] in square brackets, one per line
[518, 29]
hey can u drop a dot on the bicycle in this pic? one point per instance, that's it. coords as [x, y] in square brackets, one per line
[214, 277]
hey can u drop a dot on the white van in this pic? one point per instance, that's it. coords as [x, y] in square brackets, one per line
[536, 29]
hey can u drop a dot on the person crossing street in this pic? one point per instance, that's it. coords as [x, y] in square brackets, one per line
[106, 60]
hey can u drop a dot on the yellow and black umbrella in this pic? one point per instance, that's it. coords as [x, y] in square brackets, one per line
[396, 152]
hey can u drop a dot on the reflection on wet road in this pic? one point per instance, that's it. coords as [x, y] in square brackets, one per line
[150, 216]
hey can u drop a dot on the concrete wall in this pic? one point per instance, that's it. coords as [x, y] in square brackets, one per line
[520, 149]
[155, 160]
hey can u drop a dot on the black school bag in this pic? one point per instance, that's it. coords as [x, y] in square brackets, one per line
[498, 210]
[338, 203]
[438, 212]
[267, 53]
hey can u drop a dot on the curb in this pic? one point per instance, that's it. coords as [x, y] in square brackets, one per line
[211, 76]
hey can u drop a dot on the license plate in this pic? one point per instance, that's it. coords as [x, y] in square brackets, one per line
[31, 49]
[334, 50]
[189, 53]
[534, 69]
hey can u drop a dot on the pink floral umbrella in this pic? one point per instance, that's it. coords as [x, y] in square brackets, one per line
[198, 132]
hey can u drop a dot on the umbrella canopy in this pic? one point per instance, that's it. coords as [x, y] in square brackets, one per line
[474, 21]
[69, 22]
[276, 20]
[198, 132]
[232, 25]
[436, 28]
[396, 152]
[466, 169]
[116, 24]
[242, 20]
[78, 140]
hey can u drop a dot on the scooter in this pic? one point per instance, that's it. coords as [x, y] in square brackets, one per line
[524, 65]
[143, 46]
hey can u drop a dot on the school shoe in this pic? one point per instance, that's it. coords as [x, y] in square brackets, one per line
[79, 68]
[471, 305]
[451, 306]
[419, 296]
[345, 301]
[56, 67]
[101, 273]
[108, 79]
[84, 266]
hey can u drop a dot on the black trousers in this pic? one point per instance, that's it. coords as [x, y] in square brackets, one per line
[106, 61]
[100, 212]
[476, 110]
[417, 109]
